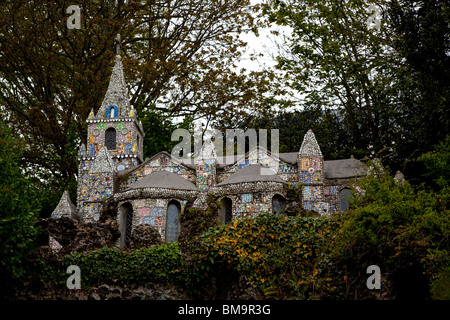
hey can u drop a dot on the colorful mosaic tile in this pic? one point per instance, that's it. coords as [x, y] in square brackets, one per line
[159, 221]
[140, 203]
[284, 168]
[307, 205]
[91, 148]
[163, 161]
[149, 220]
[247, 197]
[306, 177]
[316, 163]
[316, 177]
[160, 203]
[154, 163]
[305, 164]
[91, 212]
[144, 212]
[243, 164]
[334, 189]
[54, 244]
[128, 148]
[101, 126]
[317, 193]
[307, 193]
[156, 211]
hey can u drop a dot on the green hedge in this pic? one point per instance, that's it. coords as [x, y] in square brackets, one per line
[160, 263]
[281, 256]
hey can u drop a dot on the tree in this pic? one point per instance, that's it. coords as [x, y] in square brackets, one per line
[438, 164]
[19, 205]
[293, 125]
[400, 228]
[178, 56]
[388, 83]
[421, 32]
[158, 132]
[338, 62]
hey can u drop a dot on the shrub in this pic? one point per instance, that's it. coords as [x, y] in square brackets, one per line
[156, 264]
[19, 206]
[440, 287]
[279, 255]
[195, 221]
[403, 230]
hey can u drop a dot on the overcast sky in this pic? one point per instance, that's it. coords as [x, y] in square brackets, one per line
[265, 43]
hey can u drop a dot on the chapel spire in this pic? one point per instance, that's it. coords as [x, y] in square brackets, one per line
[116, 102]
[310, 147]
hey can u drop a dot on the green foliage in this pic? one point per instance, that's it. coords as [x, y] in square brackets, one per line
[18, 210]
[438, 163]
[366, 90]
[343, 71]
[327, 125]
[279, 255]
[195, 221]
[155, 264]
[420, 36]
[158, 264]
[394, 226]
[440, 287]
[158, 131]
[50, 82]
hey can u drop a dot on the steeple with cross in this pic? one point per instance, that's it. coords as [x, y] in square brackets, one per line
[114, 142]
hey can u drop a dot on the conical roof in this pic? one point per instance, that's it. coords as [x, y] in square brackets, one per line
[117, 93]
[310, 147]
[103, 162]
[65, 208]
[208, 151]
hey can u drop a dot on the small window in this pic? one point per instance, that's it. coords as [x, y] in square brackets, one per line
[345, 198]
[110, 138]
[112, 112]
[173, 223]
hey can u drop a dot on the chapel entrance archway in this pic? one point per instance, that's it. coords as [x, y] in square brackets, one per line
[226, 210]
[125, 223]
[278, 204]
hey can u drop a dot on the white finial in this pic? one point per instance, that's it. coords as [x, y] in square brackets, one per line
[118, 43]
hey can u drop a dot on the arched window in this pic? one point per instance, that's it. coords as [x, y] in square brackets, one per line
[172, 222]
[125, 223]
[345, 198]
[110, 138]
[226, 210]
[112, 112]
[277, 204]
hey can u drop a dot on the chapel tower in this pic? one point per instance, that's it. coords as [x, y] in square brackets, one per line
[311, 172]
[114, 143]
